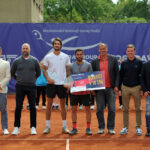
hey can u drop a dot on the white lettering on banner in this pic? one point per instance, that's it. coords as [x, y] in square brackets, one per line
[8, 57]
[72, 31]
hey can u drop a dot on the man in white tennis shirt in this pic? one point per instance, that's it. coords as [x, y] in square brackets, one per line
[56, 69]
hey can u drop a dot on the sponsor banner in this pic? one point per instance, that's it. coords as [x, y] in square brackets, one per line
[87, 81]
[86, 36]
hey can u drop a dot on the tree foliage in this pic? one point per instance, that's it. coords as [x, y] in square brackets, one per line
[92, 11]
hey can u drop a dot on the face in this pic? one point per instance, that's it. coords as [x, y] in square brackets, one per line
[25, 50]
[79, 56]
[57, 46]
[103, 50]
[41, 64]
[130, 53]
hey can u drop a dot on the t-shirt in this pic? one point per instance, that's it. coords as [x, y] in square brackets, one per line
[57, 66]
[80, 68]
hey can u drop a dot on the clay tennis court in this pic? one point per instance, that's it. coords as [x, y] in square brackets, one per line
[58, 141]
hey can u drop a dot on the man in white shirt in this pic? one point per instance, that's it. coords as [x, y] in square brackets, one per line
[4, 78]
[56, 69]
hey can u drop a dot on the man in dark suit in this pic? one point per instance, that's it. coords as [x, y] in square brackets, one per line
[109, 65]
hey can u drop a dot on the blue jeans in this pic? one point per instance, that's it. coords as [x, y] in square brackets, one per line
[3, 108]
[102, 97]
[147, 115]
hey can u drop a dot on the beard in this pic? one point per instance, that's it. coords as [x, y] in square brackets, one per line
[25, 54]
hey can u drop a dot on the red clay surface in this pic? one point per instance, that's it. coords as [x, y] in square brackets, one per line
[56, 140]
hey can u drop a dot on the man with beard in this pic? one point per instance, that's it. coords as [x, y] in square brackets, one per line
[25, 70]
[56, 67]
[83, 97]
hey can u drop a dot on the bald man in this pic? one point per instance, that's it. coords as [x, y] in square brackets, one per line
[25, 70]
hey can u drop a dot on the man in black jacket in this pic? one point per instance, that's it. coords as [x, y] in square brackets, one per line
[130, 80]
[146, 91]
[109, 65]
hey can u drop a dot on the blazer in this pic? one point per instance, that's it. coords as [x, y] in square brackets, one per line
[112, 68]
[4, 75]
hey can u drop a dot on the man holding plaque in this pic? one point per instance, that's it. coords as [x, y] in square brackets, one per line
[80, 66]
[56, 68]
[109, 65]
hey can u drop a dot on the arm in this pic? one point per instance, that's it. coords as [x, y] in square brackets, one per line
[49, 80]
[38, 69]
[13, 70]
[7, 77]
[117, 76]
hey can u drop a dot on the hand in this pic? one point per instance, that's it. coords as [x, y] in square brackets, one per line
[0, 88]
[146, 94]
[50, 81]
[115, 89]
[119, 93]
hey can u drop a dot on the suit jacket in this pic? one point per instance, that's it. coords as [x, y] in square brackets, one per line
[4, 75]
[112, 68]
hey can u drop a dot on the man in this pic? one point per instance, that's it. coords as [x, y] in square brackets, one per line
[146, 90]
[80, 66]
[109, 65]
[56, 68]
[130, 76]
[4, 78]
[25, 70]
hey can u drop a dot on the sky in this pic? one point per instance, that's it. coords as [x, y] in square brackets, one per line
[115, 1]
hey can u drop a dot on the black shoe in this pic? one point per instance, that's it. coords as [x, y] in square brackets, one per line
[147, 133]
[57, 107]
[73, 132]
[88, 131]
[53, 107]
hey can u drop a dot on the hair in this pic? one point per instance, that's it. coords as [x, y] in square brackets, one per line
[78, 50]
[103, 44]
[57, 39]
[0, 49]
[131, 46]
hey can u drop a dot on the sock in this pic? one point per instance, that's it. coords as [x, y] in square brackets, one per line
[88, 124]
[74, 125]
[64, 123]
[48, 123]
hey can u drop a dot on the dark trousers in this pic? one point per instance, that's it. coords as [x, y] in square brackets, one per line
[41, 90]
[21, 92]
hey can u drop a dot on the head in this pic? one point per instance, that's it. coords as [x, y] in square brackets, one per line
[79, 55]
[57, 44]
[25, 50]
[121, 60]
[130, 51]
[41, 64]
[0, 50]
[103, 49]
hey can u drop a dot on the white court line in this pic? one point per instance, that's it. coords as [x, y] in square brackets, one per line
[67, 144]
[82, 139]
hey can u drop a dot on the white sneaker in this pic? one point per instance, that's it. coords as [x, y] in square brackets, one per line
[92, 107]
[43, 107]
[36, 106]
[100, 131]
[138, 131]
[47, 130]
[33, 131]
[111, 131]
[80, 107]
[16, 131]
[6, 132]
[65, 130]
[121, 107]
